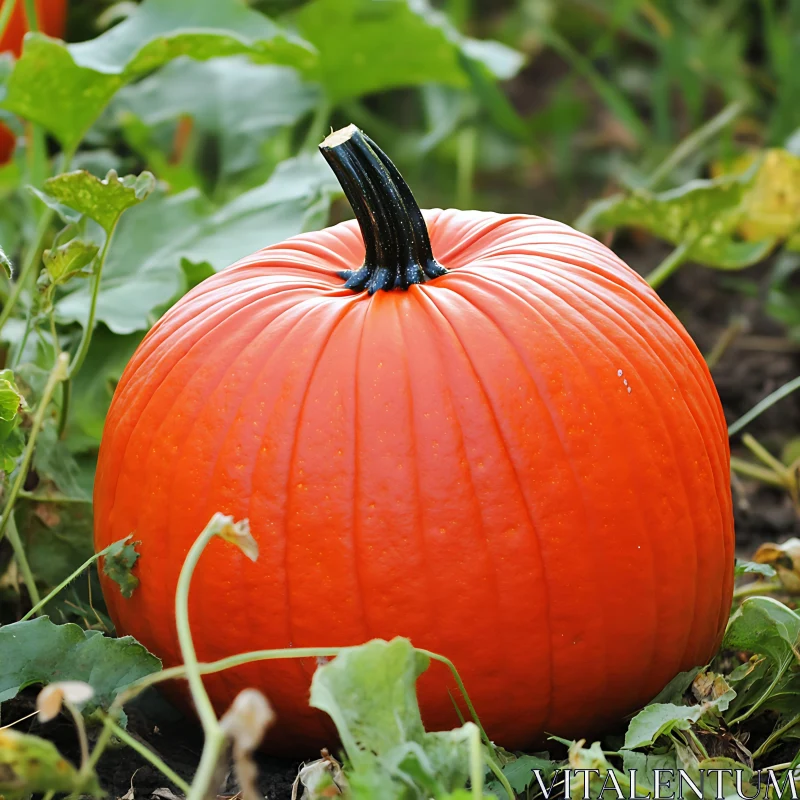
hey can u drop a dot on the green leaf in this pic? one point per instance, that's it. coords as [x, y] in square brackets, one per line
[143, 274]
[94, 386]
[703, 213]
[66, 87]
[520, 772]
[659, 719]
[29, 764]
[751, 568]
[57, 470]
[39, 652]
[12, 443]
[68, 260]
[645, 765]
[366, 46]
[100, 200]
[118, 562]
[674, 691]
[763, 625]
[370, 693]
[239, 103]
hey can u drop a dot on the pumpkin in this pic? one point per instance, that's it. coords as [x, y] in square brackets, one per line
[482, 432]
[51, 18]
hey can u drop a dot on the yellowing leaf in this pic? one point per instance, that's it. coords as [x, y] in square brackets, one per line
[771, 207]
[30, 764]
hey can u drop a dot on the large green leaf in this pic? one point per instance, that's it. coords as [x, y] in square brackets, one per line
[238, 102]
[94, 386]
[371, 45]
[143, 271]
[370, 693]
[765, 626]
[39, 652]
[66, 87]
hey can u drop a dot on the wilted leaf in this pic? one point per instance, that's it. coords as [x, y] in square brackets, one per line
[370, 693]
[703, 214]
[50, 700]
[367, 47]
[235, 532]
[29, 764]
[143, 270]
[39, 652]
[101, 200]
[783, 559]
[118, 561]
[66, 87]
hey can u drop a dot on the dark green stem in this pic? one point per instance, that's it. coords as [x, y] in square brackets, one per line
[397, 246]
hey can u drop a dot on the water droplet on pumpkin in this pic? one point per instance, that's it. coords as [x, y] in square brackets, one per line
[629, 390]
[619, 373]
[625, 382]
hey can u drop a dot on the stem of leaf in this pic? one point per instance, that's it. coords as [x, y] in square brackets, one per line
[498, 773]
[147, 754]
[475, 762]
[759, 473]
[316, 129]
[31, 258]
[757, 588]
[30, 13]
[86, 338]
[81, 729]
[776, 735]
[669, 265]
[22, 560]
[465, 166]
[40, 604]
[694, 142]
[58, 374]
[214, 737]
[761, 700]
[6, 11]
[767, 402]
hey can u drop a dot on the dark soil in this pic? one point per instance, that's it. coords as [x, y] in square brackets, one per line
[177, 741]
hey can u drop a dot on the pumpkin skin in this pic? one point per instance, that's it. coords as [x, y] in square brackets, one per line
[51, 16]
[522, 464]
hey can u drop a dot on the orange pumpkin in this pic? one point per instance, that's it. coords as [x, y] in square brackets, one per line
[51, 16]
[514, 456]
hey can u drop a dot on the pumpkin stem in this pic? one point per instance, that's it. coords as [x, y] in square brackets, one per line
[397, 246]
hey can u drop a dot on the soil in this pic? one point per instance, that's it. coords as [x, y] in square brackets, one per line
[757, 361]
